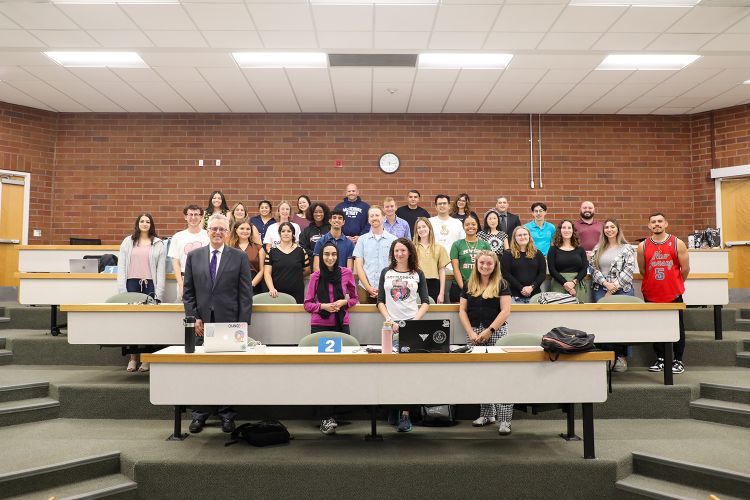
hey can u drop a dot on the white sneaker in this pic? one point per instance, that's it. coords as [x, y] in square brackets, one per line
[504, 428]
[621, 365]
[328, 426]
[482, 421]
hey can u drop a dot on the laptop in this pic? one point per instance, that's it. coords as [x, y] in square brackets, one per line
[85, 266]
[225, 337]
[424, 335]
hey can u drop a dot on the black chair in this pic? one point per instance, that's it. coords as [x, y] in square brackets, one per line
[85, 241]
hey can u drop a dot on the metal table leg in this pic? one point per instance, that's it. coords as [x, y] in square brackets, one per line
[668, 360]
[588, 430]
[570, 434]
[718, 329]
[373, 436]
[177, 434]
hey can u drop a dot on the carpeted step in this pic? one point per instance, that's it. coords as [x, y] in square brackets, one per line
[702, 319]
[744, 313]
[743, 359]
[2, 342]
[6, 357]
[726, 393]
[37, 348]
[112, 486]
[722, 412]
[4, 319]
[30, 318]
[742, 324]
[23, 391]
[55, 476]
[660, 477]
[28, 410]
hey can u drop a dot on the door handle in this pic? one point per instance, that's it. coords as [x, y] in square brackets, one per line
[12, 242]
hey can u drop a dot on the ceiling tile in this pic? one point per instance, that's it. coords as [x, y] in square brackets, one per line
[58, 39]
[342, 76]
[279, 17]
[684, 81]
[95, 75]
[630, 110]
[132, 75]
[159, 17]
[522, 75]
[239, 97]
[650, 100]
[121, 39]
[98, 17]
[556, 61]
[52, 97]
[649, 76]
[401, 40]
[742, 26]
[289, 39]
[15, 74]
[484, 76]
[572, 105]
[301, 76]
[40, 16]
[86, 96]
[606, 77]
[648, 19]
[385, 101]
[708, 19]
[735, 42]
[200, 96]
[163, 96]
[543, 97]
[624, 41]
[429, 97]
[19, 38]
[6, 23]
[14, 96]
[437, 75]
[590, 91]
[457, 40]
[679, 42]
[16, 58]
[236, 40]
[466, 17]
[173, 75]
[171, 39]
[343, 41]
[670, 110]
[220, 16]
[48, 73]
[512, 41]
[390, 75]
[314, 97]
[467, 97]
[722, 61]
[564, 75]
[126, 97]
[568, 41]
[343, 17]
[527, 18]
[404, 17]
[576, 19]
[353, 99]
[505, 97]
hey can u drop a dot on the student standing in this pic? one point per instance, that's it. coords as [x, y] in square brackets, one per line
[540, 230]
[344, 244]
[523, 266]
[264, 219]
[432, 259]
[217, 204]
[567, 263]
[463, 254]
[371, 256]
[245, 236]
[412, 211]
[185, 242]
[286, 264]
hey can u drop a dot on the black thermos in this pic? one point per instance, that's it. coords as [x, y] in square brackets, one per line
[189, 323]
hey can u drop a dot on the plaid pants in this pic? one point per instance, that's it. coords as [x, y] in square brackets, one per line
[503, 412]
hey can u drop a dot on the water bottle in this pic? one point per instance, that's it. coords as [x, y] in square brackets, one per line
[189, 323]
[386, 338]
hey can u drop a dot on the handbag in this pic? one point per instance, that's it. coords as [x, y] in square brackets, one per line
[557, 298]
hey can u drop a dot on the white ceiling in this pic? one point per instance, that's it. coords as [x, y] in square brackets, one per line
[557, 46]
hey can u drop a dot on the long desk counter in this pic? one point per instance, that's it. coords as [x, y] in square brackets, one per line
[125, 324]
[377, 379]
[56, 258]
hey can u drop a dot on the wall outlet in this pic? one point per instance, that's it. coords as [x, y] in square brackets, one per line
[200, 163]
[37, 233]
[218, 163]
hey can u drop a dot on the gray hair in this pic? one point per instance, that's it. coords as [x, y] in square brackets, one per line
[219, 217]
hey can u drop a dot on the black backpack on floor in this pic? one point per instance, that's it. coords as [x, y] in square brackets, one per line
[263, 433]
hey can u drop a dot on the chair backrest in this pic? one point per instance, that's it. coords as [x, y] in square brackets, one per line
[620, 299]
[127, 298]
[265, 298]
[312, 339]
[431, 301]
[520, 339]
[535, 298]
[84, 241]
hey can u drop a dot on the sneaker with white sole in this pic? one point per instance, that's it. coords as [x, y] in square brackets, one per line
[503, 428]
[621, 365]
[482, 421]
[677, 366]
[328, 426]
[657, 366]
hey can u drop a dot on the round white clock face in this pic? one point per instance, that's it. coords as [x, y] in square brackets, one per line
[389, 163]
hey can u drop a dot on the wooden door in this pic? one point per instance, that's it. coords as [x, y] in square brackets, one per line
[11, 227]
[735, 216]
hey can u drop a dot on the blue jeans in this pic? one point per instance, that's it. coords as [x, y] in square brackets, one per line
[521, 299]
[600, 292]
[141, 286]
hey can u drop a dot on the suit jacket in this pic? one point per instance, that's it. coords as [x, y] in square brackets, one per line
[513, 221]
[230, 297]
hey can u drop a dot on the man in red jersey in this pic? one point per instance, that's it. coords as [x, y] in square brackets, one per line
[665, 265]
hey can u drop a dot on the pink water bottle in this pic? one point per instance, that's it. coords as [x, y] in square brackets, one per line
[386, 338]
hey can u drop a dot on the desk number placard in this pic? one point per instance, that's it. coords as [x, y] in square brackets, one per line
[328, 345]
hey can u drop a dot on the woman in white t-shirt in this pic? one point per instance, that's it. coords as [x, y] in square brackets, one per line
[284, 214]
[400, 285]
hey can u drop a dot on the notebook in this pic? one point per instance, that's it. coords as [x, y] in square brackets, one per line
[224, 337]
[424, 335]
[86, 266]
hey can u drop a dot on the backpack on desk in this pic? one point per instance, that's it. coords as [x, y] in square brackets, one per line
[562, 340]
[557, 298]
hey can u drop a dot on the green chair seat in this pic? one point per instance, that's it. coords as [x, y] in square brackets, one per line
[620, 299]
[312, 339]
[127, 298]
[265, 298]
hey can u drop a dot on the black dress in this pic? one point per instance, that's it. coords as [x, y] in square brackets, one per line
[288, 271]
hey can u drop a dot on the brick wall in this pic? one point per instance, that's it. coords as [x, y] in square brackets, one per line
[27, 144]
[108, 167]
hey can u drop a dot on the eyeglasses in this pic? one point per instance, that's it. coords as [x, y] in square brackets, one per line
[217, 230]
[194, 215]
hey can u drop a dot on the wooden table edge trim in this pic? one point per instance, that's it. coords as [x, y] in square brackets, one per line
[87, 248]
[71, 276]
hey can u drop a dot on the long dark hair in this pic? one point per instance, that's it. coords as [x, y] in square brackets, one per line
[224, 207]
[412, 263]
[291, 228]
[137, 230]
[557, 240]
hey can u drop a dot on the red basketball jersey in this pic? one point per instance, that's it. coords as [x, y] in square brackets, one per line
[662, 279]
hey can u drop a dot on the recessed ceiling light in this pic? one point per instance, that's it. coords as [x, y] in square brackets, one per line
[371, 2]
[112, 2]
[281, 59]
[635, 3]
[632, 62]
[464, 61]
[97, 59]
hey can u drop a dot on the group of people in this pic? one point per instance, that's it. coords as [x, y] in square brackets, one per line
[402, 258]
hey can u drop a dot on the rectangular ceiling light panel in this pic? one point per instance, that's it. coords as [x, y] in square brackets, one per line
[281, 59]
[374, 2]
[632, 62]
[97, 59]
[463, 61]
[113, 2]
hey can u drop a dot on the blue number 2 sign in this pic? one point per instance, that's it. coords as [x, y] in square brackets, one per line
[328, 345]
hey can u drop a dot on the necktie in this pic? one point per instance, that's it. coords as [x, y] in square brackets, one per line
[212, 267]
[503, 227]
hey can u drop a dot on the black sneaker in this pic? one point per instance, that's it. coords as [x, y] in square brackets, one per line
[677, 366]
[657, 366]
[227, 425]
[197, 425]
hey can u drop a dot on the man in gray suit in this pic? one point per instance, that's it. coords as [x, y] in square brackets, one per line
[218, 289]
